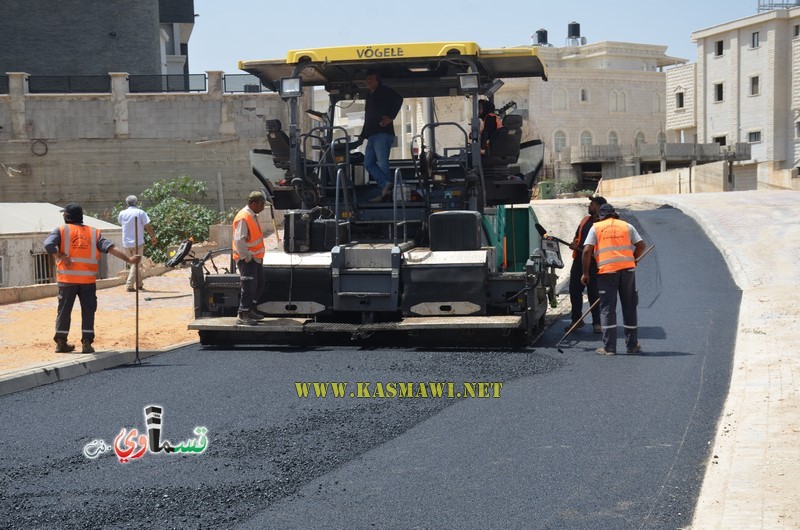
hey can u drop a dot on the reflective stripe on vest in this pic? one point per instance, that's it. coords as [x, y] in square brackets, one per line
[255, 241]
[79, 242]
[614, 251]
[577, 240]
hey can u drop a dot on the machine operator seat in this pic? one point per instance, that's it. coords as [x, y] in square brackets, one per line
[504, 147]
[278, 143]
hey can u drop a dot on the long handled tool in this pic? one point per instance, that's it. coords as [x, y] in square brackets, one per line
[543, 233]
[138, 283]
[577, 322]
[274, 224]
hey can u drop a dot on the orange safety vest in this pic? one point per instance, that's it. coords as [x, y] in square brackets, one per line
[255, 241]
[79, 242]
[577, 240]
[614, 250]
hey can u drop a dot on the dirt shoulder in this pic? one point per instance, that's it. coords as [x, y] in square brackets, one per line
[165, 310]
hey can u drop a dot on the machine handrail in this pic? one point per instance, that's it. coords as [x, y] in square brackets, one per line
[339, 173]
[398, 178]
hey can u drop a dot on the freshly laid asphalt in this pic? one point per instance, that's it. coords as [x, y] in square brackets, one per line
[576, 440]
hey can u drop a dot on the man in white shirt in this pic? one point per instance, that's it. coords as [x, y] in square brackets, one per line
[129, 218]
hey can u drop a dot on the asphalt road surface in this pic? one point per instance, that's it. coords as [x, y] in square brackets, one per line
[573, 440]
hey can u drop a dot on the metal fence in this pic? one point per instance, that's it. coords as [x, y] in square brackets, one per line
[247, 83]
[69, 84]
[168, 83]
[3, 84]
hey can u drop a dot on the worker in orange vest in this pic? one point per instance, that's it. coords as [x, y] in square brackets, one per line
[575, 285]
[76, 248]
[248, 253]
[614, 245]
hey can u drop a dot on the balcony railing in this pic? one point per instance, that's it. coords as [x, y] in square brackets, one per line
[233, 83]
[167, 83]
[69, 84]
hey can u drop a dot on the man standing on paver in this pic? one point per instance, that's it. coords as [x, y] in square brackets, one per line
[615, 245]
[129, 218]
[76, 248]
[248, 253]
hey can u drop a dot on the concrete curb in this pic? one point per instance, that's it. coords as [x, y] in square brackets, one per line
[25, 379]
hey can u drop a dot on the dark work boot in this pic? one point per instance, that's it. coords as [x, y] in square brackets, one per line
[87, 346]
[62, 346]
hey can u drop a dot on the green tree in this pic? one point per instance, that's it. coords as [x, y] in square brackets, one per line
[175, 214]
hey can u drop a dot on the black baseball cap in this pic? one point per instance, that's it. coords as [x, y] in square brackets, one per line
[73, 212]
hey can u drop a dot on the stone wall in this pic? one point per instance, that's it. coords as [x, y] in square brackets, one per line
[96, 149]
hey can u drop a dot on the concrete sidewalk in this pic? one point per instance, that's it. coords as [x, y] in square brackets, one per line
[753, 479]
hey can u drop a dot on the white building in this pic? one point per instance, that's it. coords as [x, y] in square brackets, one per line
[23, 229]
[744, 87]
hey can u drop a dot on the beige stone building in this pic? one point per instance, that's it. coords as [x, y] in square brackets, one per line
[601, 113]
[744, 88]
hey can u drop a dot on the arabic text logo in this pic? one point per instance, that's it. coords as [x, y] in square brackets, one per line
[130, 445]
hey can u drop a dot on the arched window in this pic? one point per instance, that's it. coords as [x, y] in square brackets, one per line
[586, 138]
[617, 101]
[622, 101]
[613, 138]
[559, 141]
[639, 138]
[559, 99]
[662, 138]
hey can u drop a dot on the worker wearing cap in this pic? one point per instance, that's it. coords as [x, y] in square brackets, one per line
[575, 285]
[614, 245]
[248, 253]
[76, 248]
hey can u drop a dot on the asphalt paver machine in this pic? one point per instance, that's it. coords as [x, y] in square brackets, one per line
[452, 253]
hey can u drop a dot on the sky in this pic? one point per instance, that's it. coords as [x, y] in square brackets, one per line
[227, 31]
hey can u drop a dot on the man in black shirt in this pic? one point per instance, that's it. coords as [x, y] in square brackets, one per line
[382, 106]
[575, 285]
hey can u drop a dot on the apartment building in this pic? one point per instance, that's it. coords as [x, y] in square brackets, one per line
[744, 87]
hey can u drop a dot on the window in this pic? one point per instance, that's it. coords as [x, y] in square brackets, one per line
[721, 140]
[661, 138]
[754, 40]
[408, 128]
[718, 48]
[613, 138]
[754, 136]
[559, 141]
[586, 138]
[797, 30]
[559, 99]
[584, 95]
[679, 103]
[43, 268]
[754, 86]
[797, 130]
[2, 268]
[639, 138]
[719, 92]
[617, 101]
